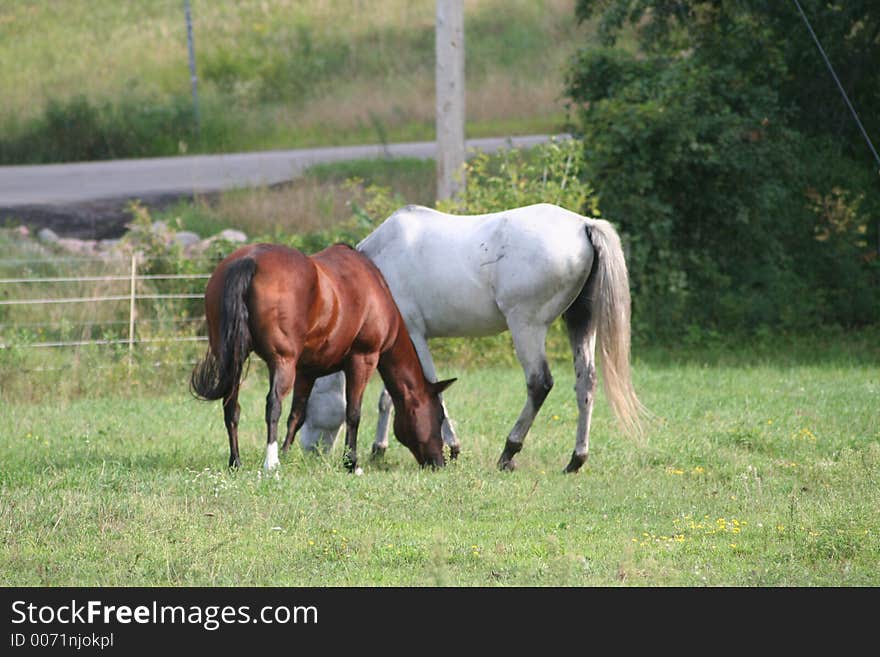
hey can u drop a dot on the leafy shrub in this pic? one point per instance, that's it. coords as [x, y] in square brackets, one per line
[79, 129]
[547, 173]
[736, 218]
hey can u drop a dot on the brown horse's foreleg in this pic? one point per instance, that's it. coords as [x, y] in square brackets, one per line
[302, 388]
[231, 413]
[281, 378]
[358, 371]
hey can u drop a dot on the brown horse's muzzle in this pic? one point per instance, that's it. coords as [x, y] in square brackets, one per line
[429, 460]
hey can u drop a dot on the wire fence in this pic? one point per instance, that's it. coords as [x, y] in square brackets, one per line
[34, 305]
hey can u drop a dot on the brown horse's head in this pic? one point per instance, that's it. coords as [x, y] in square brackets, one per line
[418, 426]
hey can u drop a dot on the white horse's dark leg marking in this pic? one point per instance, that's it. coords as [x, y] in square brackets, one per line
[530, 349]
[383, 425]
[231, 414]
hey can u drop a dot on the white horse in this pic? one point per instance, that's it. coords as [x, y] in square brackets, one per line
[461, 276]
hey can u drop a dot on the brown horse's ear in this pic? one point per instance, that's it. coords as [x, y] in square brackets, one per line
[440, 386]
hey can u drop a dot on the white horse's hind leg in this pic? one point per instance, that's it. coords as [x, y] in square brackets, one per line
[529, 341]
[583, 347]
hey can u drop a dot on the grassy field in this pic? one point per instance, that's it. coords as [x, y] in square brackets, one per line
[761, 469]
[272, 73]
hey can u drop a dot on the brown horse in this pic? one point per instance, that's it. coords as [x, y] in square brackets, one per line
[309, 316]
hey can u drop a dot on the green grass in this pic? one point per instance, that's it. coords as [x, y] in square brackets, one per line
[757, 472]
[104, 79]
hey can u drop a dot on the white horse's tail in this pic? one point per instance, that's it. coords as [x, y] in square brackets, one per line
[608, 295]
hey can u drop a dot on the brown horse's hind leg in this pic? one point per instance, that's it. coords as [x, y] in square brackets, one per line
[358, 371]
[301, 390]
[231, 413]
[281, 378]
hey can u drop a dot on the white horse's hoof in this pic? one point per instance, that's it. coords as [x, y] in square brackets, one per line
[359, 471]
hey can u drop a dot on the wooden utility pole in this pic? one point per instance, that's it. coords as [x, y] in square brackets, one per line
[193, 78]
[449, 76]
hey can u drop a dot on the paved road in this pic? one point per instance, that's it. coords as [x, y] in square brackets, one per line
[60, 184]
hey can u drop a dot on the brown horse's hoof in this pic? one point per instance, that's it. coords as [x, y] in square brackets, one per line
[577, 460]
[234, 463]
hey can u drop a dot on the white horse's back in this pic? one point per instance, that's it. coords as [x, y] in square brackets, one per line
[460, 275]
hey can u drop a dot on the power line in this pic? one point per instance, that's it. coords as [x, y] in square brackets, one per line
[839, 86]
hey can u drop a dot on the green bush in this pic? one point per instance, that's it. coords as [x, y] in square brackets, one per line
[736, 218]
[547, 173]
[80, 129]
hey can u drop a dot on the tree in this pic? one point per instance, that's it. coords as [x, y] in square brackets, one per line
[719, 146]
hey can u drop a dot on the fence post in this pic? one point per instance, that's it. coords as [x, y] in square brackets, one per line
[131, 308]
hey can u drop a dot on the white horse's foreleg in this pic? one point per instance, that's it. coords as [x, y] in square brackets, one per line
[310, 437]
[328, 437]
[530, 350]
[380, 444]
[447, 430]
[382, 428]
[317, 439]
[325, 413]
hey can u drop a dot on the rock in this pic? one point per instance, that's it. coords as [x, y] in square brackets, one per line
[186, 238]
[197, 249]
[47, 235]
[79, 247]
[231, 235]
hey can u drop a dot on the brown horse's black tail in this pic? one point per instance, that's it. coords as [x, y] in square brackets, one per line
[216, 376]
